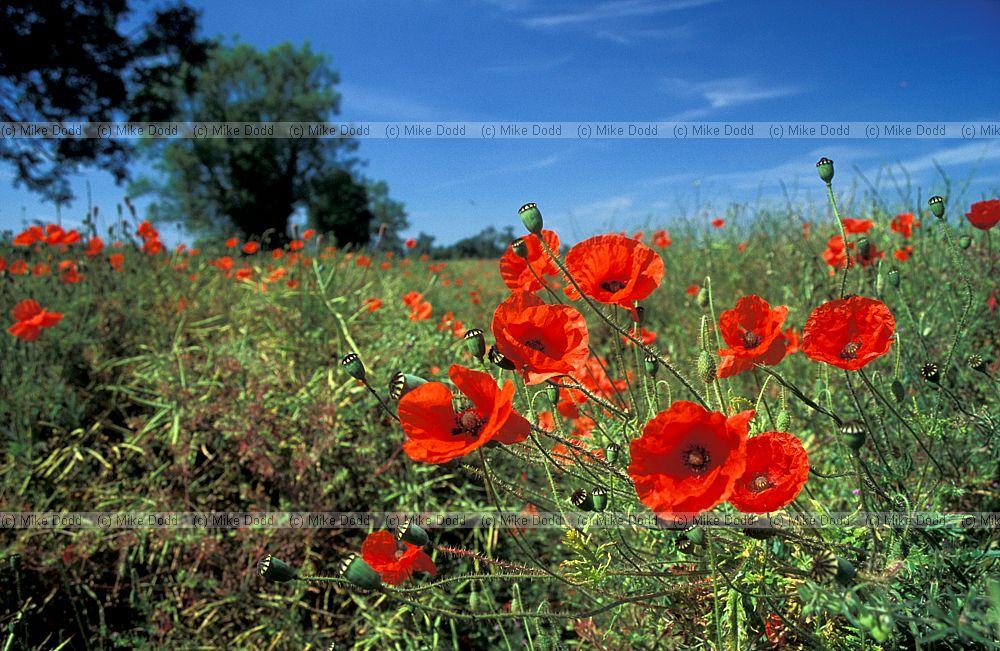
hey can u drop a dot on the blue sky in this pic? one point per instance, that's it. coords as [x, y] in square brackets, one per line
[628, 60]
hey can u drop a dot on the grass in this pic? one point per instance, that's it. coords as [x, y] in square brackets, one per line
[171, 385]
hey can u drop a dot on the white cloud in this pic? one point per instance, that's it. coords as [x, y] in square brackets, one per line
[542, 163]
[721, 94]
[364, 101]
[611, 11]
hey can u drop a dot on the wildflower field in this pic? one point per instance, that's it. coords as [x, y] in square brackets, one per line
[762, 429]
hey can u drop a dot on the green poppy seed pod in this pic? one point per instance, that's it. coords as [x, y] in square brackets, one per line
[690, 540]
[612, 452]
[825, 168]
[854, 432]
[476, 343]
[845, 571]
[531, 217]
[702, 298]
[582, 499]
[760, 529]
[520, 248]
[931, 372]
[706, 367]
[897, 390]
[402, 383]
[274, 570]
[600, 498]
[497, 359]
[937, 206]
[352, 364]
[652, 364]
[977, 363]
[782, 421]
[894, 277]
[412, 534]
[357, 571]
[552, 391]
[964, 241]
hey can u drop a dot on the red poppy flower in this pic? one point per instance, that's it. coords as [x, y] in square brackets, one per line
[848, 333]
[903, 254]
[806, 229]
[776, 470]
[117, 261]
[250, 248]
[31, 318]
[741, 247]
[94, 247]
[692, 290]
[543, 341]
[29, 236]
[296, 245]
[230, 243]
[753, 333]
[718, 222]
[438, 432]
[517, 271]
[308, 234]
[18, 267]
[410, 243]
[984, 215]
[792, 339]
[904, 224]
[372, 304]
[68, 272]
[614, 270]
[834, 255]
[394, 561]
[857, 225]
[661, 238]
[688, 459]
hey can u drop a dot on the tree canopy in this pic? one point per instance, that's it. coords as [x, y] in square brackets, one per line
[69, 61]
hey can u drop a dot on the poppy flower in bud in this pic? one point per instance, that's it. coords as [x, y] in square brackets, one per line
[540, 340]
[776, 470]
[688, 459]
[394, 561]
[984, 215]
[516, 270]
[753, 333]
[848, 332]
[30, 318]
[438, 431]
[614, 269]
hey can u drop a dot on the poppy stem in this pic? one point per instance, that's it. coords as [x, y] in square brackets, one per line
[381, 401]
[798, 394]
[614, 326]
[843, 236]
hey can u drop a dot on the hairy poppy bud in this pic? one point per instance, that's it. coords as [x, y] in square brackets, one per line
[520, 248]
[412, 534]
[964, 242]
[357, 571]
[825, 168]
[476, 343]
[706, 367]
[854, 432]
[931, 373]
[702, 298]
[552, 391]
[352, 364]
[402, 383]
[531, 217]
[782, 421]
[937, 206]
[473, 600]
[274, 570]
[897, 390]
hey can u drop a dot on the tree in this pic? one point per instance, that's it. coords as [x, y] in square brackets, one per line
[68, 62]
[389, 217]
[255, 184]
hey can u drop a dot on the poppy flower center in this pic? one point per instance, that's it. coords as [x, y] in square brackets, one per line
[696, 459]
[760, 483]
[751, 339]
[612, 286]
[534, 344]
[850, 351]
[468, 423]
